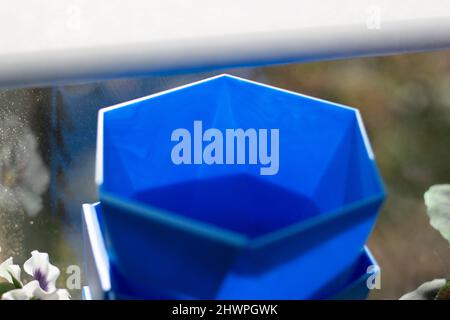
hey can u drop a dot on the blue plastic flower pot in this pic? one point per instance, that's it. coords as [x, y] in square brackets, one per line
[105, 283]
[357, 288]
[184, 212]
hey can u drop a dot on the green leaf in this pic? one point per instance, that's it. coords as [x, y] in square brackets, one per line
[444, 292]
[426, 291]
[16, 282]
[437, 200]
[5, 287]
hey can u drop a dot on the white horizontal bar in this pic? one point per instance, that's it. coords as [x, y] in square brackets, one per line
[48, 42]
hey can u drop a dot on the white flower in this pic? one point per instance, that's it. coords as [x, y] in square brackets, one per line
[42, 287]
[8, 270]
[33, 290]
[17, 294]
[39, 267]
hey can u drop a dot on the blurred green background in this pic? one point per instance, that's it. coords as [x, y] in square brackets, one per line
[405, 104]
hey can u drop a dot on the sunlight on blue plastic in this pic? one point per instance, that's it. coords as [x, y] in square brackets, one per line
[353, 288]
[197, 229]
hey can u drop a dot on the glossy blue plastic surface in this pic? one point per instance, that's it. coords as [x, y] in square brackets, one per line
[199, 229]
[351, 284]
[358, 286]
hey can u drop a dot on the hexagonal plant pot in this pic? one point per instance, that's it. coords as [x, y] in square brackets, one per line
[185, 203]
[104, 283]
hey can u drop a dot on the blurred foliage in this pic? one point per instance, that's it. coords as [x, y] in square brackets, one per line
[405, 103]
[444, 292]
